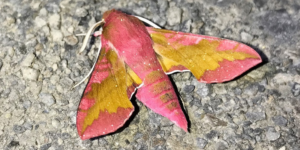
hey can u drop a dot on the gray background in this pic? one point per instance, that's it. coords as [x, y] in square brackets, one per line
[39, 63]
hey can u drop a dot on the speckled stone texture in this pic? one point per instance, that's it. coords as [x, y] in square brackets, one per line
[39, 64]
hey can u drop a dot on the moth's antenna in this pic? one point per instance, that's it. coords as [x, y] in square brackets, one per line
[148, 22]
[99, 50]
[87, 36]
[92, 29]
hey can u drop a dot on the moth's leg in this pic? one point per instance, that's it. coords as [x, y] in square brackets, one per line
[90, 72]
[80, 34]
[97, 33]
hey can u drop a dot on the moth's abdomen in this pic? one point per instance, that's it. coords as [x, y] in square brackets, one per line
[158, 94]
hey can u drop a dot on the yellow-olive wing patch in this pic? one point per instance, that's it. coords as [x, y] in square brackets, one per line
[209, 59]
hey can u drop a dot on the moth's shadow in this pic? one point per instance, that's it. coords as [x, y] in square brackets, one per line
[262, 55]
[181, 103]
[128, 122]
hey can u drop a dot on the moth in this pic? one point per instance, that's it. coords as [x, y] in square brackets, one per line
[135, 57]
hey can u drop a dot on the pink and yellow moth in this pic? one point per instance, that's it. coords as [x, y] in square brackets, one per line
[134, 56]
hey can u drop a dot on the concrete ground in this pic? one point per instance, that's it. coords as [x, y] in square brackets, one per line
[39, 63]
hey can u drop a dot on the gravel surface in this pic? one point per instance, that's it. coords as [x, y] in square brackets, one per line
[39, 63]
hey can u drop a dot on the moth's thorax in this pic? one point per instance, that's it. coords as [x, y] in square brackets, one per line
[131, 40]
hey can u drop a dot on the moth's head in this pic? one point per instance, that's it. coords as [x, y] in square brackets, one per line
[107, 13]
[119, 15]
[111, 14]
[115, 12]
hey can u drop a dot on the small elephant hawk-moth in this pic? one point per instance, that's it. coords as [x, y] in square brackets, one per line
[135, 57]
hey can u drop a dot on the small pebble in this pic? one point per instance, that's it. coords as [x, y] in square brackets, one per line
[81, 12]
[54, 78]
[56, 35]
[18, 129]
[201, 143]
[251, 90]
[30, 73]
[282, 78]
[28, 60]
[54, 21]
[39, 22]
[26, 104]
[295, 90]
[174, 15]
[189, 88]
[47, 99]
[272, 135]
[71, 40]
[55, 123]
[246, 37]
[28, 126]
[221, 145]
[187, 26]
[255, 116]
[43, 12]
[13, 144]
[220, 89]
[279, 120]
[212, 134]
[45, 147]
